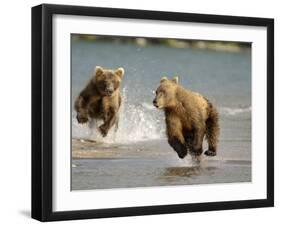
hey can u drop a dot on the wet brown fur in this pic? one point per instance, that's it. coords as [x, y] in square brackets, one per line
[101, 99]
[189, 118]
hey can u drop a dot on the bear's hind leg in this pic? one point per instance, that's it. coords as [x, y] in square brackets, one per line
[212, 131]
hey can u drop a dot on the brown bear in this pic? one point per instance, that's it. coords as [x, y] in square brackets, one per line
[189, 118]
[101, 98]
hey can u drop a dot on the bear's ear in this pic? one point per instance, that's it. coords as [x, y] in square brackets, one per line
[120, 72]
[99, 70]
[164, 78]
[175, 79]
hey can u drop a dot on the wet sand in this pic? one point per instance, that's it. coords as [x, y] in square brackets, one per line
[97, 165]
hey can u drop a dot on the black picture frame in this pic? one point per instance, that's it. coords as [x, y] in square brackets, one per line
[42, 111]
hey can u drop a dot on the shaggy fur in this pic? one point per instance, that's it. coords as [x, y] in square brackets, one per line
[101, 98]
[189, 118]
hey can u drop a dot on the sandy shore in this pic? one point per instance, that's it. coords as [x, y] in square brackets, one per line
[85, 149]
[91, 149]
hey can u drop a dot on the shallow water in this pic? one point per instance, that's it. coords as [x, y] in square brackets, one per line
[138, 154]
[154, 163]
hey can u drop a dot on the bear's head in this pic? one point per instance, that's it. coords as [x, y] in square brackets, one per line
[166, 93]
[108, 81]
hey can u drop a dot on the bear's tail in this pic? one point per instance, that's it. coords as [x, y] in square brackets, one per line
[212, 130]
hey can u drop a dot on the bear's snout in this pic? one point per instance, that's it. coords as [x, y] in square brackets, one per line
[109, 89]
[109, 92]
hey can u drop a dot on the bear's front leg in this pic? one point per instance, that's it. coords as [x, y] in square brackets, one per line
[103, 130]
[188, 137]
[80, 106]
[197, 144]
[175, 136]
[109, 121]
[116, 123]
[178, 146]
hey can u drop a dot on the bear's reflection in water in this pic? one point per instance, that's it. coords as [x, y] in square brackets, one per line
[188, 171]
